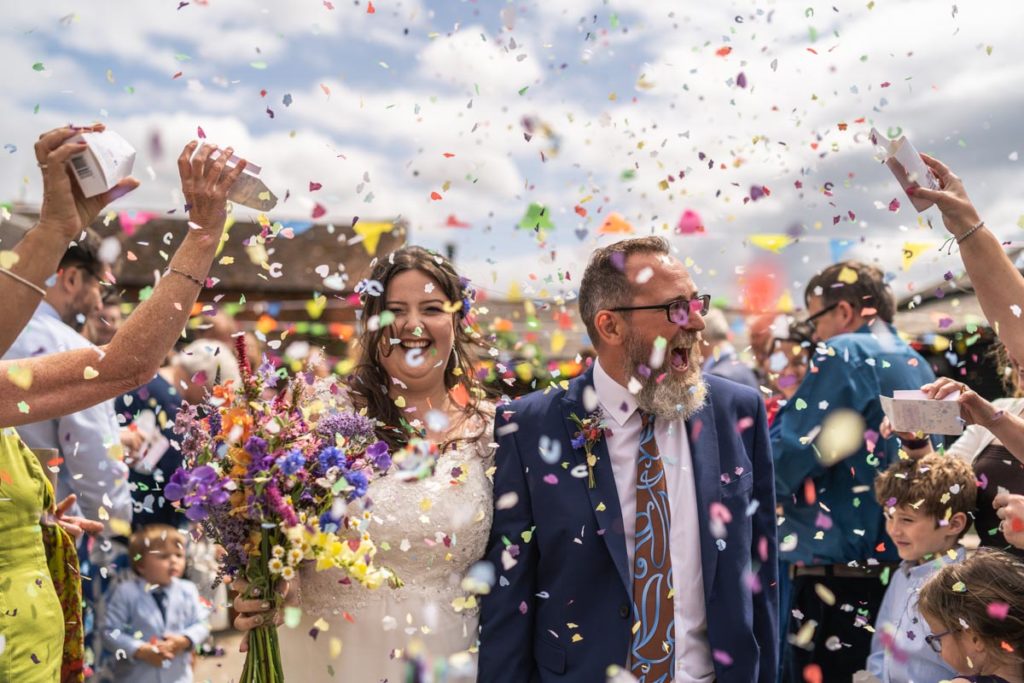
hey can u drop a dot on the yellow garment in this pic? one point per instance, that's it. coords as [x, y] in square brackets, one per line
[31, 618]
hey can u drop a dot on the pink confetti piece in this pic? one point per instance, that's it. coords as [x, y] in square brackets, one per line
[998, 610]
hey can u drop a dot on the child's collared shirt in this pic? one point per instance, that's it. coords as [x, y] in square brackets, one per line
[133, 617]
[899, 653]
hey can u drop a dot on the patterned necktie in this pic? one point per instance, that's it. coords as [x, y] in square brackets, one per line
[161, 601]
[652, 653]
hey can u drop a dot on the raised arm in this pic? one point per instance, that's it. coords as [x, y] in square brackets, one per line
[998, 284]
[66, 382]
[64, 215]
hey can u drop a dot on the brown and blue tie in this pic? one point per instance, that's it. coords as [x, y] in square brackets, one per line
[652, 652]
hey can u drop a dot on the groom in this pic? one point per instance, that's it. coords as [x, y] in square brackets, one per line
[666, 565]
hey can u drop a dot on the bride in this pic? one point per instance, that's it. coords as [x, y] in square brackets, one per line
[415, 375]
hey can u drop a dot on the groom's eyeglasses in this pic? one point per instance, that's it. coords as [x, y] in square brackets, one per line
[678, 311]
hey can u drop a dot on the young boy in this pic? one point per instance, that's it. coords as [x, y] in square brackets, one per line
[154, 619]
[926, 504]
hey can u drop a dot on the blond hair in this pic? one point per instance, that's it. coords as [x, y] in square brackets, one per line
[937, 485]
[151, 538]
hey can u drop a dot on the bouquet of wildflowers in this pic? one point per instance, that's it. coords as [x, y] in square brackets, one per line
[275, 483]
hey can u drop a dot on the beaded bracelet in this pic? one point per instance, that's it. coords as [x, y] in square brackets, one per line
[979, 226]
[186, 275]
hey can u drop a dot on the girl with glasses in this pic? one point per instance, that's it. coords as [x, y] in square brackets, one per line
[975, 611]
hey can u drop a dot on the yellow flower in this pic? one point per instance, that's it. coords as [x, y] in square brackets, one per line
[288, 573]
[275, 566]
[277, 551]
[294, 556]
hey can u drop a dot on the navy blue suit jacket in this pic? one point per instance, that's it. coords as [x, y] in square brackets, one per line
[560, 609]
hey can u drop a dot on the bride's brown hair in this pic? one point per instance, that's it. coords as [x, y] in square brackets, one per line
[369, 382]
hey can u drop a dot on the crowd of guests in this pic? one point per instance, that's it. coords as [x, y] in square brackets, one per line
[875, 582]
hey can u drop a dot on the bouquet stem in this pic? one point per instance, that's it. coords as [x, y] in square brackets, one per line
[263, 660]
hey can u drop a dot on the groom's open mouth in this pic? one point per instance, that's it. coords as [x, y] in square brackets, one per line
[679, 358]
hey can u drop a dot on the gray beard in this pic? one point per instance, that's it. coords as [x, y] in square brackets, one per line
[675, 397]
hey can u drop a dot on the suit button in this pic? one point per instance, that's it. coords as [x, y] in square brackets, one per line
[624, 610]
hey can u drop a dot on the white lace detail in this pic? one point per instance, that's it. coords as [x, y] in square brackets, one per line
[428, 532]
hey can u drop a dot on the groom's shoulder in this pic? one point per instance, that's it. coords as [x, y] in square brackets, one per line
[732, 397]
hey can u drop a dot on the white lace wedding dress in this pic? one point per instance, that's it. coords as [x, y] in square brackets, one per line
[432, 531]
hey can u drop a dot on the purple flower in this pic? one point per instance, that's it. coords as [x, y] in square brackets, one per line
[291, 462]
[267, 373]
[348, 424]
[579, 440]
[199, 489]
[379, 456]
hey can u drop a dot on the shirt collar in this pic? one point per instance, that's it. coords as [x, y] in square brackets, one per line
[616, 401]
[45, 308]
[925, 569]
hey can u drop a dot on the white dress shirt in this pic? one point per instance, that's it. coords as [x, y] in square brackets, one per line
[89, 441]
[693, 653]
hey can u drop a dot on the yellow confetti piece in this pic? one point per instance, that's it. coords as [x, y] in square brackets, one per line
[601, 507]
[959, 587]
[826, 595]
[848, 275]
[90, 372]
[8, 259]
[335, 648]
[103, 514]
[20, 377]
[321, 625]
[576, 637]
[400, 401]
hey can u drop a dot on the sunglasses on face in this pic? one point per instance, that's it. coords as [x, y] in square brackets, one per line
[678, 311]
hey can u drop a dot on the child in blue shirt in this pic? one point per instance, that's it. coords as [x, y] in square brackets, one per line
[926, 503]
[154, 619]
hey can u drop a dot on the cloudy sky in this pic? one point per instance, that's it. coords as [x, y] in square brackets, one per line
[469, 111]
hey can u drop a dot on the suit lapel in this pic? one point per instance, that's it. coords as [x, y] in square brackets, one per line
[604, 497]
[706, 475]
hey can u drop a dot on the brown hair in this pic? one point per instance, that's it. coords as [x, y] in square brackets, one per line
[369, 382]
[153, 537]
[1009, 374]
[869, 291]
[605, 285]
[927, 485]
[961, 595]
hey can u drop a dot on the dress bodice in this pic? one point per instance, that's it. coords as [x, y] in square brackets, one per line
[429, 532]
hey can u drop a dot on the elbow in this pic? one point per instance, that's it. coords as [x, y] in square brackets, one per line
[131, 370]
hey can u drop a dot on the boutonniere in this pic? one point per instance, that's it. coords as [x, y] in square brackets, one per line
[591, 429]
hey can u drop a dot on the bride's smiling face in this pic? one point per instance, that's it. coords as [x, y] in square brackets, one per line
[424, 329]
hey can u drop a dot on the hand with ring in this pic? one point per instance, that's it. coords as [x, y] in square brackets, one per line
[257, 611]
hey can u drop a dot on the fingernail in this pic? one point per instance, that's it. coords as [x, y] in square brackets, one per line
[264, 605]
[910, 191]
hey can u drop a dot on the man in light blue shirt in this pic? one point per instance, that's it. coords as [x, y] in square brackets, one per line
[831, 529]
[88, 441]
